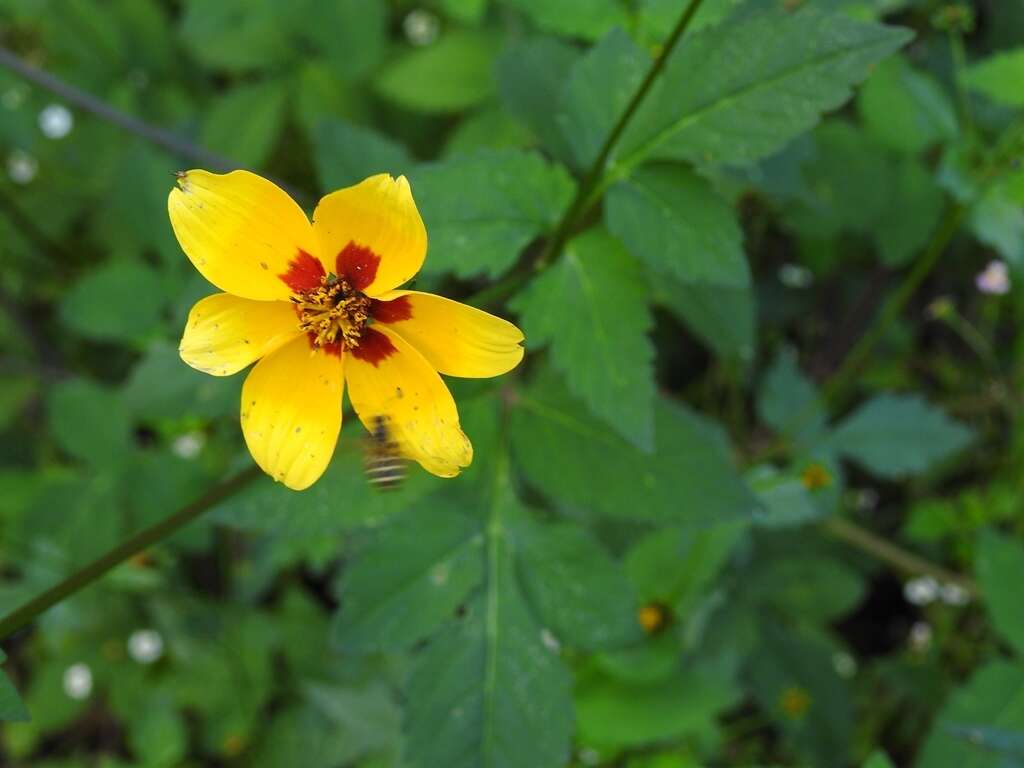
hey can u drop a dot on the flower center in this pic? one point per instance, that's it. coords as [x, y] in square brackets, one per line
[333, 312]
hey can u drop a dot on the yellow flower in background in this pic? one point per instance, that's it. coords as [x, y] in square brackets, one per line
[316, 305]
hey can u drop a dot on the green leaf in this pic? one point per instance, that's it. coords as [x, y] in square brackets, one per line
[612, 713]
[789, 402]
[574, 586]
[739, 91]
[237, 35]
[452, 74]
[598, 89]
[588, 19]
[531, 77]
[591, 308]
[997, 219]
[89, 422]
[161, 386]
[408, 581]
[904, 109]
[346, 154]
[899, 435]
[340, 500]
[245, 123]
[879, 759]
[999, 561]
[994, 696]
[913, 214]
[488, 690]
[723, 318]
[489, 128]
[672, 220]
[481, 210]
[119, 301]
[813, 588]
[999, 77]
[12, 708]
[159, 736]
[352, 35]
[676, 565]
[576, 460]
[786, 501]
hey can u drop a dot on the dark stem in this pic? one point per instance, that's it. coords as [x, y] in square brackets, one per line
[584, 196]
[19, 617]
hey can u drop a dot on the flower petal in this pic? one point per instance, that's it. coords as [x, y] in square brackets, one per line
[240, 231]
[225, 333]
[403, 387]
[291, 413]
[371, 234]
[457, 339]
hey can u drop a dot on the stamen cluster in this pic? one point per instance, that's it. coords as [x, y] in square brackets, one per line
[333, 312]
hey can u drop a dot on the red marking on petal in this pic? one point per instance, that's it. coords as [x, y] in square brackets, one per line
[357, 264]
[373, 347]
[304, 273]
[393, 311]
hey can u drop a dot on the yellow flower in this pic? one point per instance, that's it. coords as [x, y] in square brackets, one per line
[814, 477]
[316, 305]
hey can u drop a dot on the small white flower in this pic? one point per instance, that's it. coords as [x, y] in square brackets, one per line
[921, 591]
[954, 594]
[995, 279]
[189, 445]
[920, 636]
[55, 121]
[795, 276]
[21, 167]
[78, 681]
[550, 641]
[145, 646]
[844, 664]
[421, 27]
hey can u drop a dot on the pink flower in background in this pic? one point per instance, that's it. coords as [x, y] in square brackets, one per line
[995, 279]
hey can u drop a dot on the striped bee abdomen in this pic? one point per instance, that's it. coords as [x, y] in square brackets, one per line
[384, 464]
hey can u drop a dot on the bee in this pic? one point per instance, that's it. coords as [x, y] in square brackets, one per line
[383, 460]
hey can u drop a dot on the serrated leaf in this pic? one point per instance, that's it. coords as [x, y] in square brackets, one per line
[591, 308]
[723, 318]
[482, 209]
[739, 91]
[488, 690]
[906, 109]
[408, 581]
[531, 76]
[588, 19]
[789, 402]
[999, 563]
[345, 154]
[672, 220]
[994, 696]
[568, 455]
[574, 586]
[245, 122]
[452, 74]
[999, 77]
[598, 89]
[899, 435]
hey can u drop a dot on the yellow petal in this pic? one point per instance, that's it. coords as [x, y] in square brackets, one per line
[371, 234]
[457, 339]
[397, 382]
[225, 333]
[291, 412]
[240, 231]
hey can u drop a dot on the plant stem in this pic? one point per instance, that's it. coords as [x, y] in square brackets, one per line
[19, 617]
[585, 195]
[899, 558]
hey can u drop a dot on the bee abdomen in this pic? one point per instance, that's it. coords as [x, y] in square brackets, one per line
[385, 473]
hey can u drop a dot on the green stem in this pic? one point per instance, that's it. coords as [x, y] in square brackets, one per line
[899, 558]
[591, 186]
[145, 538]
[956, 48]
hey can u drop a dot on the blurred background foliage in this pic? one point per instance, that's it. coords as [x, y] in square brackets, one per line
[693, 535]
